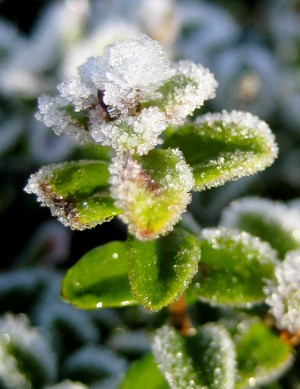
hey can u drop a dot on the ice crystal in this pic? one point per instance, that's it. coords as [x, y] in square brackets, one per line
[140, 134]
[53, 112]
[129, 72]
[127, 97]
[283, 295]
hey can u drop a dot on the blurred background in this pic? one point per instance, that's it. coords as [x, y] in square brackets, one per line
[252, 47]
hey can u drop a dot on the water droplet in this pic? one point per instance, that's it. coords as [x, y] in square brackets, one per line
[99, 305]
[115, 255]
[252, 382]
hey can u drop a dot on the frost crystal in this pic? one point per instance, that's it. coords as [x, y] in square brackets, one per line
[53, 112]
[193, 84]
[283, 295]
[138, 133]
[126, 98]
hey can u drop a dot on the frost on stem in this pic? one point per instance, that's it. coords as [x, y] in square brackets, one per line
[127, 97]
[283, 295]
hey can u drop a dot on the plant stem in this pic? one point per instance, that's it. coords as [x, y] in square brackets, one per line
[179, 316]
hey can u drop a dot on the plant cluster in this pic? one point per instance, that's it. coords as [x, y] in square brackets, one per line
[135, 101]
[197, 294]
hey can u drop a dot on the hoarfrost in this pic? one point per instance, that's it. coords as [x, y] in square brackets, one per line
[119, 99]
[283, 295]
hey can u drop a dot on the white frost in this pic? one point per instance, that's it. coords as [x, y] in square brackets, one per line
[283, 294]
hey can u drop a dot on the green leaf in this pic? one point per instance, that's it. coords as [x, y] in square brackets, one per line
[144, 374]
[261, 356]
[160, 270]
[203, 360]
[233, 268]
[152, 191]
[271, 221]
[76, 192]
[224, 146]
[99, 279]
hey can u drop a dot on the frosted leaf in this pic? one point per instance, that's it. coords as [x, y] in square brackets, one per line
[77, 93]
[273, 221]
[176, 367]
[283, 295]
[53, 112]
[131, 72]
[203, 360]
[20, 341]
[138, 134]
[233, 267]
[262, 357]
[188, 89]
[242, 125]
[151, 200]
[218, 236]
[76, 192]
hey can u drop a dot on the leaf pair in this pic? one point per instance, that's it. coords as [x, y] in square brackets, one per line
[151, 192]
[211, 358]
[116, 274]
[222, 267]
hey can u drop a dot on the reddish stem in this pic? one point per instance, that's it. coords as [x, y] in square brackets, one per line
[179, 317]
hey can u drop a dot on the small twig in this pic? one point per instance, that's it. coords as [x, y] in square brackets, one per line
[179, 317]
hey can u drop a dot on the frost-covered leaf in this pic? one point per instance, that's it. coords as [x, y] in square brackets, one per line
[233, 267]
[26, 359]
[271, 221]
[283, 293]
[185, 91]
[144, 373]
[160, 270]
[224, 146]
[205, 359]
[99, 278]
[261, 356]
[151, 190]
[76, 192]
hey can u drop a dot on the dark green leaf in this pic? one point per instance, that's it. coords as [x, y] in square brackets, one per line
[160, 270]
[99, 278]
[261, 356]
[233, 268]
[76, 192]
[224, 147]
[144, 374]
[203, 360]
